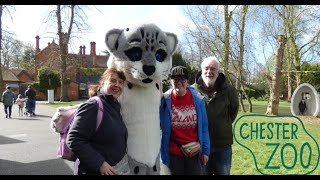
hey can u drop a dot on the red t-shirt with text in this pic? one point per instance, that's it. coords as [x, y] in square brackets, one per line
[183, 122]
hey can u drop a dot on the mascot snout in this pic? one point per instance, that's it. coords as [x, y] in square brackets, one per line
[148, 70]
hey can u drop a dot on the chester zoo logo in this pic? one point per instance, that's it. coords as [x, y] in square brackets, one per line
[279, 145]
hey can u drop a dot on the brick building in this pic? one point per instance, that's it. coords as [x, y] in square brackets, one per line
[17, 79]
[49, 56]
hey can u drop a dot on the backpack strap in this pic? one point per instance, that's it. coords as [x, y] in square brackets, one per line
[100, 111]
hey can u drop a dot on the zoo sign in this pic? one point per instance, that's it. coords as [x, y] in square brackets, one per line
[278, 144]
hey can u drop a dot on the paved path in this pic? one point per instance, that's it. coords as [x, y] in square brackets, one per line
[28, 146]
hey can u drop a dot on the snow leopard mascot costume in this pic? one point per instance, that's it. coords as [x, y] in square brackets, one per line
[144, 54]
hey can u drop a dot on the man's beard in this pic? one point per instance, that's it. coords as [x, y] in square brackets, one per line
[209, 81]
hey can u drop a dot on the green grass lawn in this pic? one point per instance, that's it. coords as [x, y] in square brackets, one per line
[58, 104]
[292, 156]
[260, 107]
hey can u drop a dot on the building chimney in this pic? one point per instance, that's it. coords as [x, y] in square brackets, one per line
[48, 43]
[37, 44]
[80, 51]
[93, 48]
[93, 54]
[84, 50]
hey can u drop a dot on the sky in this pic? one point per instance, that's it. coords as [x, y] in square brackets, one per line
[28, 21]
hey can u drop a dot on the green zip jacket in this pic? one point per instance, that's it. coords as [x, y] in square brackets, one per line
[222, 109]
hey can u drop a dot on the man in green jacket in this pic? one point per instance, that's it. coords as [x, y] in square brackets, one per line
[8, 99]
[222, 109]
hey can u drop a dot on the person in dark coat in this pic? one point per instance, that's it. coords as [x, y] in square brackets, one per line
[31, 101]
[302, 107]
[8, 99]
[222, 109]
[101, 151]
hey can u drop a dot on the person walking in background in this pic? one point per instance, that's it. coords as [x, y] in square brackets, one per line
[8, 99]
[222, 109]
[31, 100]
[102, 151]
[21, 104]
[183, 120]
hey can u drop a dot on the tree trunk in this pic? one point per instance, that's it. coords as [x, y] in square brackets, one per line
[1, 78]
[296, 60]
[289, 71]
[273, 105]
[293, 45]
[241, 52]
[227, 19]
[63, 45]
[240, 92]
[247, 97]
[64, 83]
[241, 103]
[291, 57]
[297, 63]
[289, 86]
[63, 57]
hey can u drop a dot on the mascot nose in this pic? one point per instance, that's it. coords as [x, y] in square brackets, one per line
[149, 70]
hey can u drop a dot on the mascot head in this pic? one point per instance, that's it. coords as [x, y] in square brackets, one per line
[143, 53]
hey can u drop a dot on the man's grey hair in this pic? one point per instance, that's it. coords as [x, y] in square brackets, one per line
[210, 58]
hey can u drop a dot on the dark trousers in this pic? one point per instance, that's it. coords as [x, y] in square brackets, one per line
[184, 165]
[10, 110]
[219, 162]
[31, 105]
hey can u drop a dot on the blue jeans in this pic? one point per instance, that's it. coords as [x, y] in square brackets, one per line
[219, 162]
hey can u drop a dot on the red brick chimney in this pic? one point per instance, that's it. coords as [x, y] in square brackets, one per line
[37, 44]
[93, 48]
[80, 51]
[84, 50]
[93, 53]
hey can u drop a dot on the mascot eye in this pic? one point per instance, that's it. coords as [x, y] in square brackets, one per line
[161, 55]
[134, 54]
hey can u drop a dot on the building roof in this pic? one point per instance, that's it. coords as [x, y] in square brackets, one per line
[8, 75]
[18, 72]
[102, 61]
[50, 46]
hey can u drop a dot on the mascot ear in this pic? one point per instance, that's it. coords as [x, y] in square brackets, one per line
[172, 42]
[112, 39]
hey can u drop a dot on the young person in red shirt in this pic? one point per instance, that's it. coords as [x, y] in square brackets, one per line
[183, 120]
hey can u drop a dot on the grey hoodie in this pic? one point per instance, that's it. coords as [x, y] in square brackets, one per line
[8, 97]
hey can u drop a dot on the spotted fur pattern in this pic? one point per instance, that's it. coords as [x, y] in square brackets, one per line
[144, 54]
